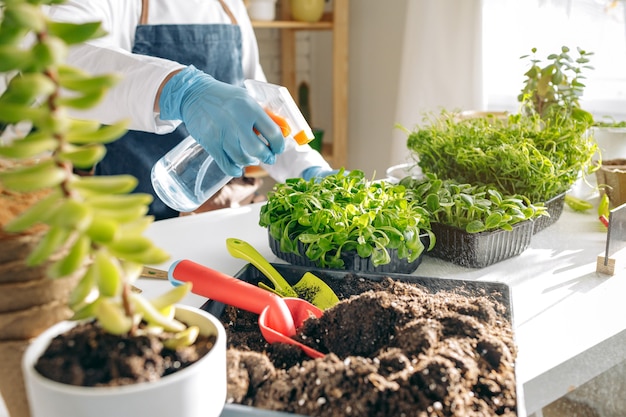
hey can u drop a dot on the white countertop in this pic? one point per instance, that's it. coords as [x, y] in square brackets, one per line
[569, 321]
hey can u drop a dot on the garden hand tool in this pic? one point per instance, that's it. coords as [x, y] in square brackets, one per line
[309, 287]
[279, 318]
[154, 273]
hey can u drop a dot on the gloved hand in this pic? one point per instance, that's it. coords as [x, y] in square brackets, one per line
[221, 117]
[318, 172]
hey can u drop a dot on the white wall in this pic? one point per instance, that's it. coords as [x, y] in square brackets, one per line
[376, 36]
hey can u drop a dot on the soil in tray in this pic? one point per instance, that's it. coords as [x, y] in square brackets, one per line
[397, 350]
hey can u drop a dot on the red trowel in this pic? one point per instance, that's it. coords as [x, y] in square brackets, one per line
[279, 318]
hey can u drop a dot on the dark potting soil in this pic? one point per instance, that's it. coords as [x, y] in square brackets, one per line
[396, 350]
[88, 356]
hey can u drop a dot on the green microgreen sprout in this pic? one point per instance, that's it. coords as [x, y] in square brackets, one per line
[521, 155]
[345, 213]
[468, 207]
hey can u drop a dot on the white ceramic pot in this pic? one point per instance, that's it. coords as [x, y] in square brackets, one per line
[196, 391]
[396, 172]
[262, 9]
[611, 142]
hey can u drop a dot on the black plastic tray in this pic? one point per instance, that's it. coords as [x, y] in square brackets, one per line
[478, 250]
[496, 291]
[555, 209]
[352, 261]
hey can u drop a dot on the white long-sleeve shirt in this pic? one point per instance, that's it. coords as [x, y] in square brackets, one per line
[134, 96]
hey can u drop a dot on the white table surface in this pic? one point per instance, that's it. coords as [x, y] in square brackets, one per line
[569, 321]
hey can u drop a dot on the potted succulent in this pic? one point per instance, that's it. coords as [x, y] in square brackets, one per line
[83, 232]
[345, 221]
[475, 226]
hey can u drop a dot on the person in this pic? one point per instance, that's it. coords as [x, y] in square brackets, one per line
[183, 63]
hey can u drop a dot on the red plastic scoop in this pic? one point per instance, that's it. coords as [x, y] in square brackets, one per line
[279, 318]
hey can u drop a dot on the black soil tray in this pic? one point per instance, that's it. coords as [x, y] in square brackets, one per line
[498, 292]
[352, 261]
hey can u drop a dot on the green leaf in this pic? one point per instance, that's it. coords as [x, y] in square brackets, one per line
[24, 15]
[475, 226]
[42, 175]
[84, 156]
[85, 83]
[114, 184]
[48, 52]
[26, 149]
[70, 214]
[493, 220]
[83, 101]
[50, 243]
[75, 33]
[107, 272]
[73, 260]
[26, 88]
[104, 134]
[14, 113]
[35, 214]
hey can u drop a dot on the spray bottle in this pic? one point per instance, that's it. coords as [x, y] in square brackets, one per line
[187, 176]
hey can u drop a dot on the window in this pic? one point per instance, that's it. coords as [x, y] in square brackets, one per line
[511, 28]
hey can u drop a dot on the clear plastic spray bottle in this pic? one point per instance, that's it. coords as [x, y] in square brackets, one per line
[187, 176]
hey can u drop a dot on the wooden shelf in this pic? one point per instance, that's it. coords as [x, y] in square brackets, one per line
[326, 23]
[336, 21]
[291, 24]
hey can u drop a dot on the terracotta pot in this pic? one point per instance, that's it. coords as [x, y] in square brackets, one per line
[196, 391]
[11, 379]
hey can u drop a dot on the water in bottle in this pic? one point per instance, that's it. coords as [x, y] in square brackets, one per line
[187, 176]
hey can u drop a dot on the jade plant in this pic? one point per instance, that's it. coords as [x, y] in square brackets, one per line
[556, 84]
[94, 224]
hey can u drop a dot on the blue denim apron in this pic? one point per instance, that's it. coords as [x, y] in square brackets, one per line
[212, 48]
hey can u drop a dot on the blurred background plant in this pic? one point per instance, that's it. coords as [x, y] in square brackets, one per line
[93, 225]
[556, 83]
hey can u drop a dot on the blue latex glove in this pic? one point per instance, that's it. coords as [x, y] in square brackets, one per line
[318, 172]
[221, 117]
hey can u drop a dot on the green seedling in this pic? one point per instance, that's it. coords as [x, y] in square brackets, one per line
[345, 213]
[469, 207]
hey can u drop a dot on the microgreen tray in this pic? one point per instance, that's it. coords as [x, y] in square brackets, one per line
[352, 261]
[478, 250]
